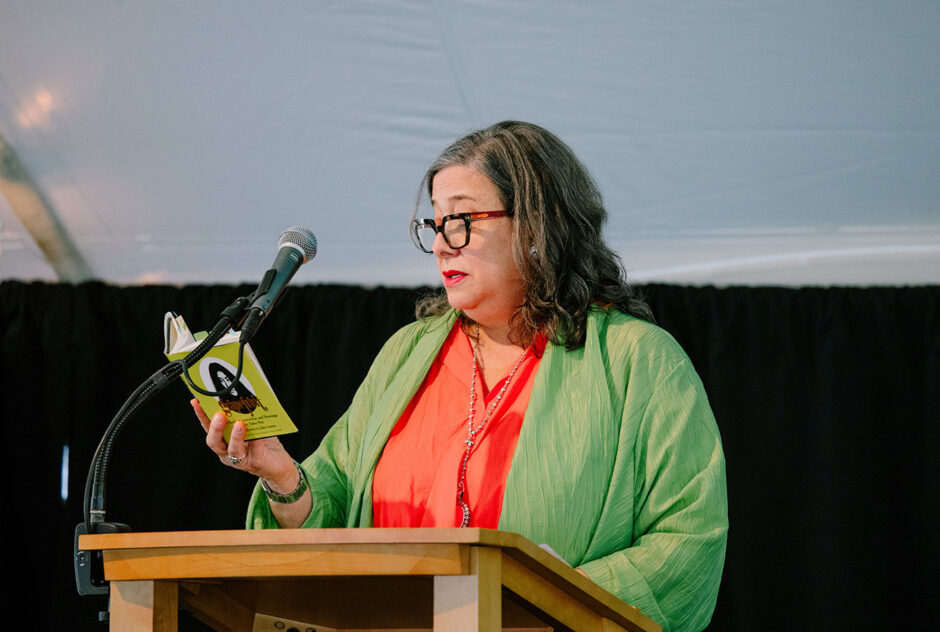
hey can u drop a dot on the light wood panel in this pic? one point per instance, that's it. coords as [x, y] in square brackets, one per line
[144, 606]
[472, 602]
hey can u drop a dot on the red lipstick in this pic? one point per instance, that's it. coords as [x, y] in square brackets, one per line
[452, 277]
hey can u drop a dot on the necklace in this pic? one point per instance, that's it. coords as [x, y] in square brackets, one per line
[473, 432]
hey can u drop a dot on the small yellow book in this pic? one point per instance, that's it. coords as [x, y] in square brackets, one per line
[252, 401]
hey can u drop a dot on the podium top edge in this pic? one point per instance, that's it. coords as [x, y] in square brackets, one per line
[274, 537]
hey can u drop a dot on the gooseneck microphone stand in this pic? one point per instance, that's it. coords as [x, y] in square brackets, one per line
[89, 565]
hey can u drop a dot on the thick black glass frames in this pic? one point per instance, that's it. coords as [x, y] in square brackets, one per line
[455, 229]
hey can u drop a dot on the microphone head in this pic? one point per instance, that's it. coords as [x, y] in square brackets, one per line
[302, 239]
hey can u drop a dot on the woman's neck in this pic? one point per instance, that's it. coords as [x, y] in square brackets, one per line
[496, 352]
[494, 336]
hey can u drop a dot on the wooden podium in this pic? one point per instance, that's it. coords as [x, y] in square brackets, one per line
[324, 580]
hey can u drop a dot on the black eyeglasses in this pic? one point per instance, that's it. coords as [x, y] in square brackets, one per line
[455, 229]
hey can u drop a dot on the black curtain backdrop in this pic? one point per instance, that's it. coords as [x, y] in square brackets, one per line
[828, 402]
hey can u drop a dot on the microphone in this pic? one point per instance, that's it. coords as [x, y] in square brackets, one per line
[296, 246]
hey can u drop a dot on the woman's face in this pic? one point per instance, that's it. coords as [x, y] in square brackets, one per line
[481, 278]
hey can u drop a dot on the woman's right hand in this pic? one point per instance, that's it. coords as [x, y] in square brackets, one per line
[265, 458]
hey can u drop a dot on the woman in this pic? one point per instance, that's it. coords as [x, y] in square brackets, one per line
[536, 390]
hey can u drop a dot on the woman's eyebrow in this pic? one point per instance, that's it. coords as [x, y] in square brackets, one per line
[458, 197]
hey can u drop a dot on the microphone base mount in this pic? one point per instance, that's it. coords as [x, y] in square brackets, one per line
[89, 565]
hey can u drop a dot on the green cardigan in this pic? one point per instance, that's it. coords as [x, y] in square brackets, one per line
[619, 466]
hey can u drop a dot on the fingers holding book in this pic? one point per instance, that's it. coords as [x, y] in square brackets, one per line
[265, 458]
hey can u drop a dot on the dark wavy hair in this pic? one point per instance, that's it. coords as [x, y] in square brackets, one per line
[558, 217]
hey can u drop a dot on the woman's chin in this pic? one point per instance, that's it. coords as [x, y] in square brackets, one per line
[465, 307]
[457, 300]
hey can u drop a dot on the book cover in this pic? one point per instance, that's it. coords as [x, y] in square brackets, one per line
[252, 401]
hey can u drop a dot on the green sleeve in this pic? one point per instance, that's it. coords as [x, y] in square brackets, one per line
[325, 471]
[672, 569]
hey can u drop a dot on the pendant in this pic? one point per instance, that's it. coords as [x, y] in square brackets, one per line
[466, 514]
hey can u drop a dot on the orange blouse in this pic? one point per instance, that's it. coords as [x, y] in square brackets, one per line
[415, 483]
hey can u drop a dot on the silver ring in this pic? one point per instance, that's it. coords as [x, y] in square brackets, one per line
[234, 460]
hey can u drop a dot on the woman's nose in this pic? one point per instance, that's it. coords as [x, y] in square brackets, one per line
[440, 246]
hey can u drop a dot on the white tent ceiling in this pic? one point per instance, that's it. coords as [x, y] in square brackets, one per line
[736, 142]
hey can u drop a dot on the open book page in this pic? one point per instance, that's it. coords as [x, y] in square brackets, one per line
[252, 401]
